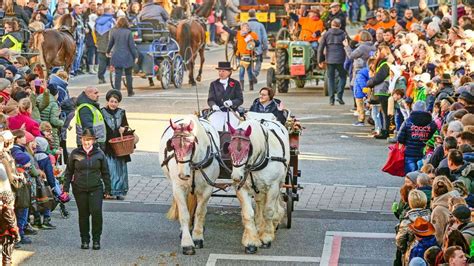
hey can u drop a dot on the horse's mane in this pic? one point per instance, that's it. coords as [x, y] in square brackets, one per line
[205, 9]
[66, 20]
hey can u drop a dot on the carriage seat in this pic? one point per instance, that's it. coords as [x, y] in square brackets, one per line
[152, 29]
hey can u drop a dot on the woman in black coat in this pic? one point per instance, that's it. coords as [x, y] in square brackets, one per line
[124, 53]
[116, 124]
[88, 172]
[265, 103]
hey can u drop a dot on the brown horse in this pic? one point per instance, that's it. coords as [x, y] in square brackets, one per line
[56, 47]
[191, 37]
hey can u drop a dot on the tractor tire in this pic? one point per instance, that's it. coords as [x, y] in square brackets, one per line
[300, 83]
[271, 78]
[282, 85]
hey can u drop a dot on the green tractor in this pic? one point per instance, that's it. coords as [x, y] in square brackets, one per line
[293, 61]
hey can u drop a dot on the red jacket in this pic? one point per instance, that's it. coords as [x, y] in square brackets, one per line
[15, 122]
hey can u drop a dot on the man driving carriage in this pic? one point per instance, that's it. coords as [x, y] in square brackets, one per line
[225, 92]
[153, 11]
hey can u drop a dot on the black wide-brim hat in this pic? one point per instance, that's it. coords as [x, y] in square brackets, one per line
[224, 66]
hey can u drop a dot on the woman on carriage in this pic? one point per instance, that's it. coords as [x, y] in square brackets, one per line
[12, 39]
[265, 103]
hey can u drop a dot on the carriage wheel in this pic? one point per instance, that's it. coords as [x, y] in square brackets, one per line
[178, 71]
[230, 50]
[112, 79]
[282, 69]
[165, 73]
[283, 35]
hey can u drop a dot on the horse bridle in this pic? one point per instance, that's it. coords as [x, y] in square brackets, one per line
[242, 138]
[183, 137]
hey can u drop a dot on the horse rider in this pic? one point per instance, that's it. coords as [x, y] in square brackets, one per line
[224, 92]
[246, 42]
[153, 11]
[262, 49]
[13, 38]
[79, 36]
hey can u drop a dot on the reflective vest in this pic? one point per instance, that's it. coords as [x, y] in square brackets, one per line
[98, 124]
[16, 44]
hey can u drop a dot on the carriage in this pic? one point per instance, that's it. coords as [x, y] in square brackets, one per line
[290, 187]
[158, 55]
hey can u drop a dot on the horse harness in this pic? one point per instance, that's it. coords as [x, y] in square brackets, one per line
[212, 152]
[263, 160]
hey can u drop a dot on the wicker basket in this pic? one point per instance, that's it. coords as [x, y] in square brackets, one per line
[123, 145]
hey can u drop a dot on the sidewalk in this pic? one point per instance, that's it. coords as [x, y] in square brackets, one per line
[314, 197]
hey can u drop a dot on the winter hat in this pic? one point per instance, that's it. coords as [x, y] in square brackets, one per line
[466, 96]
[42, 143]
[53, 89]
[21, 158]
[12, 69]
[116, 93]
[4, 83]
[462, 213]
[413, 176]
[419, 106]
[417, 261]
[29, 137]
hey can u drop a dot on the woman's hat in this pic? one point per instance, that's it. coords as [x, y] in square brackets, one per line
[224, 66]
[422, 227]
[114, 93]
[88, 133]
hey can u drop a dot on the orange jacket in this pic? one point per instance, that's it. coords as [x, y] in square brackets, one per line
[387, 25]
[242, 44]
[309, 27]
[409, 23]
[374, 27]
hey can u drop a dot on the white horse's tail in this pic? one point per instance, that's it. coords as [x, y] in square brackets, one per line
[173, 212]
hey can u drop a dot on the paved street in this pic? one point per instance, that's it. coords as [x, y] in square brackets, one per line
[343, 216]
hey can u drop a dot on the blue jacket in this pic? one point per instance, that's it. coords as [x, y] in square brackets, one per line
[360, 82]
[61, 85]
[419, 249]
[415, 132]
[259, 29]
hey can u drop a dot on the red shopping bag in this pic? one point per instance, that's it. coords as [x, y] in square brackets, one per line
[395, 164]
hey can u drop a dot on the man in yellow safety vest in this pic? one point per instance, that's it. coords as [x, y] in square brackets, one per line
[12, 39]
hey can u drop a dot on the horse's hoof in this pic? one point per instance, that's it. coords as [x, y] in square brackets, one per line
[250, 249]
[189, 251]
[266, 245]
[198, 79]
[199, 243]
[276, 228]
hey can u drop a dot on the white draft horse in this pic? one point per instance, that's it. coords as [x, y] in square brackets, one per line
[260, 153]
[188, 151]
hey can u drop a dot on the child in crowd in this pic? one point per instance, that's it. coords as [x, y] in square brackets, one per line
[9, 232]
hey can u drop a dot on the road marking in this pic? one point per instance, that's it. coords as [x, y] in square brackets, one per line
[212, 260]
[333, 240]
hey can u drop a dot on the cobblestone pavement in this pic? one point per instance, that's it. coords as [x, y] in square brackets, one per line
[313, 197]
